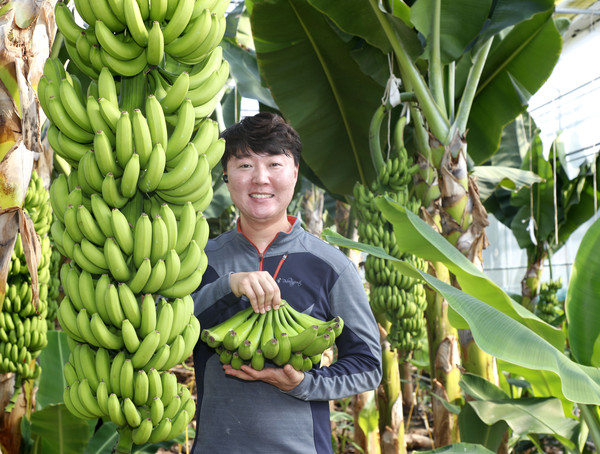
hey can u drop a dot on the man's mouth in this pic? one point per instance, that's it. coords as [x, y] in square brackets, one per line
[261, 196]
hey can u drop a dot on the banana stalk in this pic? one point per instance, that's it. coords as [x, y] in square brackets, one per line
[391, 417]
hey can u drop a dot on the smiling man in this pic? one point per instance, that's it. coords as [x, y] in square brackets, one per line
[267, 257]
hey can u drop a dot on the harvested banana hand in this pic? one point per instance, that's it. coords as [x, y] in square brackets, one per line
[283, 336]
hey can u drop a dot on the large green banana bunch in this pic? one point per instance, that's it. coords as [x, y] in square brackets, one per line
[401, 298]
[284, 336]
[139, 146]
[23, 324]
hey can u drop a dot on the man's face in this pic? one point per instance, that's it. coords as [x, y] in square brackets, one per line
[262, 186]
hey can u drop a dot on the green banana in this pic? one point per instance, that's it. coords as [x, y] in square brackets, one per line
[132, 414]
[235, 337]
[130, 337]
[151, 176]
[141, 434]
[83, 324]
[113, 305]
[183, 130]
[135, 22]
[131, 175]
[317, 346]
[156, 121]
[102, 397]
[106, 338]
[146, 349]
[89, 227]
[116, 261]
[172, 268]
[247, 348]
[124, 139]
[116, 47]
[301, 340]
[129, 304]
[214, 335]
[115, 411]
[189, 284]
[111, 192]
[197, 32]
[65, 21]
[115, 372]
[102, 10]
[102, 214]
[182, 171]
[160, 239]
[127, 68]
[122, 231]
[97, 119]
[141, 276]
[82, 259]
[164, 321]
[179, 20]
[100, 293]
[258, 360]
[158, 12]
[176, 93]
[126, 384]
[148, 315]
[167, 215]
[88, 399]
[142, 239]
[103, 366]
[74, 105]
[110, 112]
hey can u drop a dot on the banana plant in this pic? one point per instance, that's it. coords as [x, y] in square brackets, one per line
[506, 330]
[27, 30]
[531, 212]
[472, 73]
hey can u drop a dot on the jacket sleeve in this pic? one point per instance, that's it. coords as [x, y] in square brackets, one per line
[358, 365]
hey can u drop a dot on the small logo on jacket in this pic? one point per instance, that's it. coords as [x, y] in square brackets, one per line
[289, 281]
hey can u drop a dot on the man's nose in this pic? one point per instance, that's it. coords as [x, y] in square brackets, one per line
[260, 174]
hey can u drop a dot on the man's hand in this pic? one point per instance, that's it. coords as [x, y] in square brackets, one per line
[259, 287]
[284, 378]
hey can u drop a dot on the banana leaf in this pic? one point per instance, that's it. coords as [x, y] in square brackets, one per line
[484, 419]
[581, 304]
[542, 383]
[239, 52]
[516, 336]
[319, 88]
[536, 415]
[414, 236]
[531, 37]
[59, 431]
[52, 361]
[459, 448]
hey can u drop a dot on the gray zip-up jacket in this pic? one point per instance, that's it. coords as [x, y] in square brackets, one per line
[237, 416]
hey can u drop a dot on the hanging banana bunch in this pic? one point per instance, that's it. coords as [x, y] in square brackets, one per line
[399, 297]
[140, 147]
[23, 324]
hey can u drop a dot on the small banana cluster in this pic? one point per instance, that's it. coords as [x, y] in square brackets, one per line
[23, 325]
[149, 402]
[401, 298]
[130, 36]
[284, 336]
[548, 307]
[54, 290]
